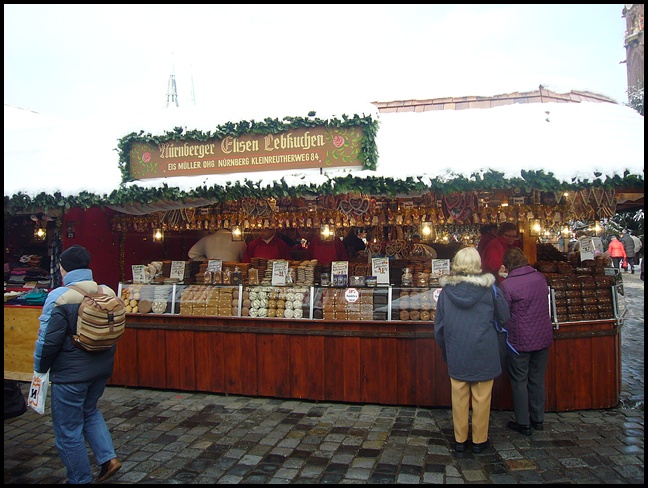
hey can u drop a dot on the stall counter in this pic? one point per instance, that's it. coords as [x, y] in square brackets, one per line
[20, 334]
[390, 363]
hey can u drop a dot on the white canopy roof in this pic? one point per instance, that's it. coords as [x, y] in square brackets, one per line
[570, 140]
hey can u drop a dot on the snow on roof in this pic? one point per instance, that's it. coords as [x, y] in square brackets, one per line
[570, 140]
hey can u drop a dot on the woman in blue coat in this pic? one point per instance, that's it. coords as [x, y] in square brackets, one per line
[465, 332]
[530, 333]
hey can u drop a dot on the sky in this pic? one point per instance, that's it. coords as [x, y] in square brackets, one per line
[89, 61]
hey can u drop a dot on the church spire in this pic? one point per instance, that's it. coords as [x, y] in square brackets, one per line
[172, 89]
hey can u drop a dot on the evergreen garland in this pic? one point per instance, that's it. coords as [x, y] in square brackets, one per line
[373, 185]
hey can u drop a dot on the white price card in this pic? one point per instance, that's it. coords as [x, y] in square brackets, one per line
[340, 273]
[586, 248]
[440, 267]
[177, 270]
[279, 273]
[215, 265]
[380, 269]
[139, 273]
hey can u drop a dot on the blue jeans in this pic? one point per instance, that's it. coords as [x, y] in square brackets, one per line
[76, 418]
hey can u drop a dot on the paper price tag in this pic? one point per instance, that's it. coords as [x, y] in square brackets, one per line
[279, 273]
[177, 270]
[215, 265]
[139, 273]
[440, 267]
[380, 269]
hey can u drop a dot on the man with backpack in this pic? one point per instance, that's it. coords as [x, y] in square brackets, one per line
[78, 377]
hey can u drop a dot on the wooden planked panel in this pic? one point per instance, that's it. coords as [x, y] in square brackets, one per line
[406, 361]
[574, 374]
[299, 366]
[550, 381]
[240, 363]
[316, 367]
[351, 367]
[273, 352]
[209, 361]
[334, 372]
[123, 372]
[388, 370]
[20, 333]
[371, 360]
[606, 369]
[151, 358]
[180, 360]
[424, 359]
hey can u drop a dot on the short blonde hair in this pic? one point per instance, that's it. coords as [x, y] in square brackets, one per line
[467, 261]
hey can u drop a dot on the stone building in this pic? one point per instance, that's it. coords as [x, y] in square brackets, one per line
[634, 44]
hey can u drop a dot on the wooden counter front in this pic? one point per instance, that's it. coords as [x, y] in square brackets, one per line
[391, 363]
[20, 334]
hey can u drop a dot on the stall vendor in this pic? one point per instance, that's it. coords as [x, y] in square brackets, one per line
[326, 251]
[218, 245]
[268, 246]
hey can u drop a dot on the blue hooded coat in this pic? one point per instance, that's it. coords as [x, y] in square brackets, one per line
[464, 328]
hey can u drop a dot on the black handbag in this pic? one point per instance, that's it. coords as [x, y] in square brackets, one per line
[14, 400]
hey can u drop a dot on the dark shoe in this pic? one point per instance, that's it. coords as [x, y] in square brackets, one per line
[108, 469]
[481, 447]
[460, 446]
[537, 425]
[522, 429]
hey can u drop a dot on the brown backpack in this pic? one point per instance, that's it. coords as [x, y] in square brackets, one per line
[101, 321]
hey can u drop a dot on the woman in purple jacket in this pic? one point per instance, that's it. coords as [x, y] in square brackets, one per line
[530, 333]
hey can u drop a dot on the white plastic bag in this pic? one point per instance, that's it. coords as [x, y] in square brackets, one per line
[38, 391]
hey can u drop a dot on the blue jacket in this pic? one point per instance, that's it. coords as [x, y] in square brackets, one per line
[54, 347]
[527, 293]
[464, 328]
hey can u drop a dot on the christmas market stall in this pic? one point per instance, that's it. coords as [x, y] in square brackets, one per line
[359, 330]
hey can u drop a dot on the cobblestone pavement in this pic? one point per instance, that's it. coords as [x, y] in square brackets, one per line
[170, 437]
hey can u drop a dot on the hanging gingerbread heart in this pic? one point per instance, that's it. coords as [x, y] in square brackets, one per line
[392, 248]
[375, 247]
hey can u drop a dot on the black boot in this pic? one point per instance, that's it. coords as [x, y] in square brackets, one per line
[522, 429]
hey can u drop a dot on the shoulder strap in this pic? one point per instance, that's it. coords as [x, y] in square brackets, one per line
[78, 289]
[500, 327]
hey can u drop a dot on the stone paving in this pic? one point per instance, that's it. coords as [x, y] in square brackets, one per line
[170, 437]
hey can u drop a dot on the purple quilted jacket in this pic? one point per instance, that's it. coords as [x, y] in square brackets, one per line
[527, 293]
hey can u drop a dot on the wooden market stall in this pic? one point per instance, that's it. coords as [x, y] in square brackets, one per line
[379, 356]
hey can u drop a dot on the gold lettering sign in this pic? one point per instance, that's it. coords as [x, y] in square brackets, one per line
[313, 147]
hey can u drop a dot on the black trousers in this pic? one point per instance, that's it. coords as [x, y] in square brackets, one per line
[527, 373]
